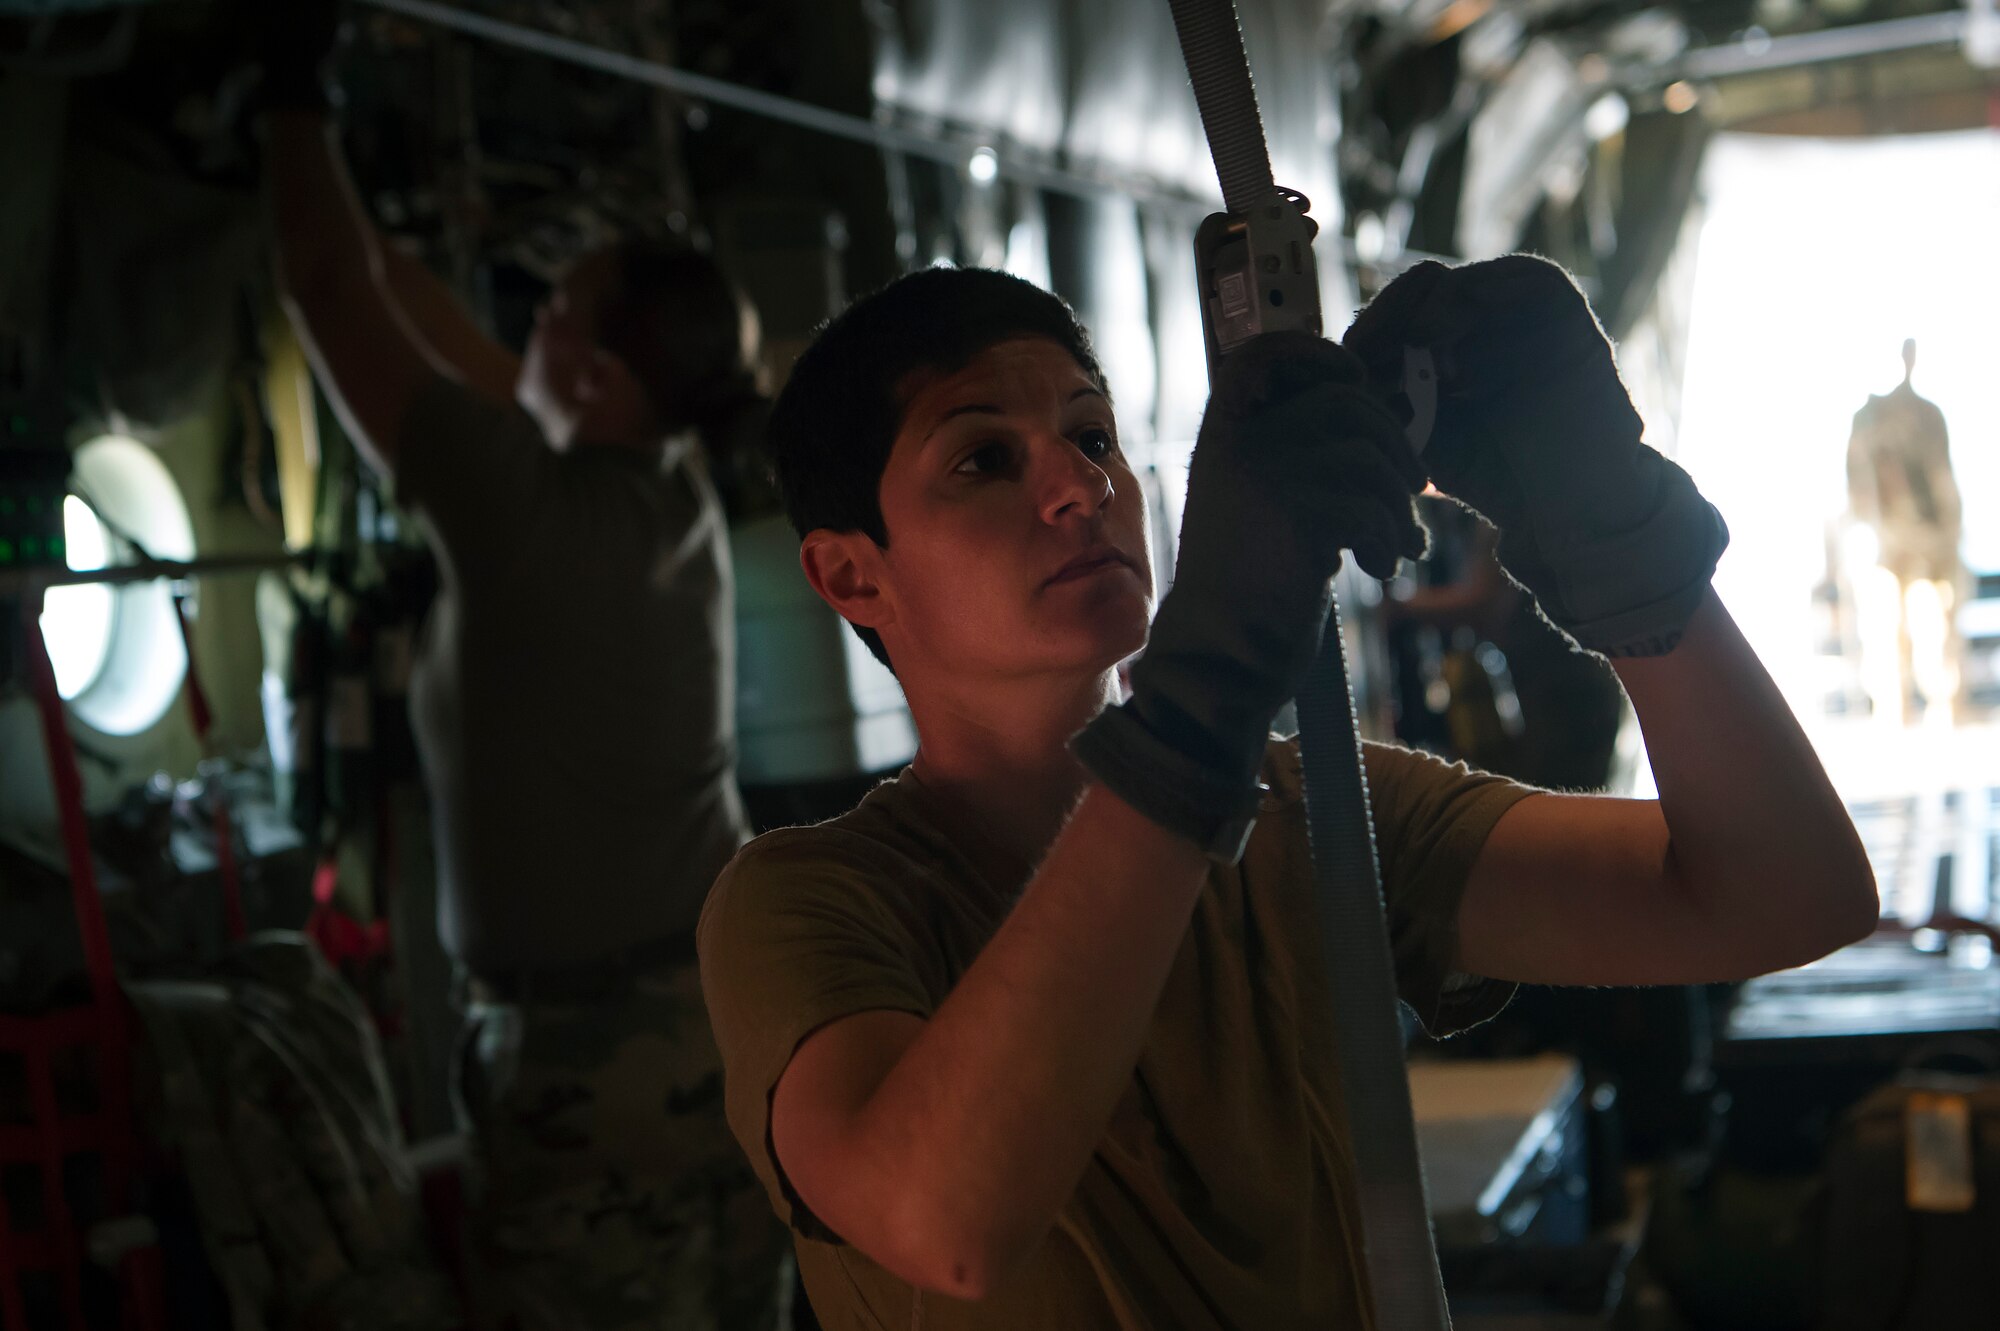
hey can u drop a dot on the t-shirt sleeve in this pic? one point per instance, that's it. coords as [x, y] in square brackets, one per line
[473, 469]
[796, 934]
[1431, 820]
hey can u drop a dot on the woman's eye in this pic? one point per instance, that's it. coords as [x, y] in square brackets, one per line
[985, 460]
[1096, 442]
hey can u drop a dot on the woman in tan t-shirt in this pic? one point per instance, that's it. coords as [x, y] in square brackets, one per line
[1029, 1039]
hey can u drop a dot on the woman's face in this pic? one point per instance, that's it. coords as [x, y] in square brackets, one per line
[1017, 531]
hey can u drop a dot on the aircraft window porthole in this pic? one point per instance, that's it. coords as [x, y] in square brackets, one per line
[78, 621]
[117, 650]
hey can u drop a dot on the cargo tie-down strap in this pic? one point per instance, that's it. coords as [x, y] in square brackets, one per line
[1256, 270]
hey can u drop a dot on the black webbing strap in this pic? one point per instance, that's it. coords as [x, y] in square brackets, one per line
[1212, 46]
[1401, 1277]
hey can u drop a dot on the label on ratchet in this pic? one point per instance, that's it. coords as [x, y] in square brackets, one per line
[1420, 385]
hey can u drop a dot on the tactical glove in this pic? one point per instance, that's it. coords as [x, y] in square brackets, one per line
[1296, 460]
[1535, 431]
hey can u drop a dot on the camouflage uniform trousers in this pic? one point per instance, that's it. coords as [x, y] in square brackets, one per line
[607, 1192]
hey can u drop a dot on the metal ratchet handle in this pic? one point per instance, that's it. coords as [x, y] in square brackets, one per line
[1256, 274]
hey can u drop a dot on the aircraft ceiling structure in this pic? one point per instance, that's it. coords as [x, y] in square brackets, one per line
[1476, 126]
[1455, 127]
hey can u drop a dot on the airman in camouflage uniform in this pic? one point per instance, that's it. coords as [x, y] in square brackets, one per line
[571, 699]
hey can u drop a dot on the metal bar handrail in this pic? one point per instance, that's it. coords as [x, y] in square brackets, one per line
[18, 581]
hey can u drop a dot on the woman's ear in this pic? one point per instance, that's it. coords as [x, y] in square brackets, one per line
[845, 568]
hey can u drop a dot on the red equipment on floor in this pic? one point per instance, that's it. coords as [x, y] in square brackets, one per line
[79, 1146]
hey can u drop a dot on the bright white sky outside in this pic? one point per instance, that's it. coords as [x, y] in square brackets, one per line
[1818, 257]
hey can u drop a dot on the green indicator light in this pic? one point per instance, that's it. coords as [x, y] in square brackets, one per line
[57, 550]
[30, 547]
[20, 424]
[34, 507]
[6, 551]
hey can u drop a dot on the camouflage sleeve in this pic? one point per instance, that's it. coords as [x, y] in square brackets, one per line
[1431, 820]
[795, 935]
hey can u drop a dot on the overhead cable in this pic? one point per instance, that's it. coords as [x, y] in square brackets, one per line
[956, 153]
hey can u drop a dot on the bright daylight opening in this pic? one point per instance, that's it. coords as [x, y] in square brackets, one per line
[1850, 567]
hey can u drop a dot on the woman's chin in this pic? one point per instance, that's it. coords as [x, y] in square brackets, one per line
[1118, 638]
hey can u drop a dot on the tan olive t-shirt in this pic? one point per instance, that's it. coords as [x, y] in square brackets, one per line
[573, 697]
[1222, 1193]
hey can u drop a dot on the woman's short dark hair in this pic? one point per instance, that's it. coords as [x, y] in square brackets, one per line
[834, 423]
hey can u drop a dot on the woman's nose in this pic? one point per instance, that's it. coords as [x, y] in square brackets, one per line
[1069, 480]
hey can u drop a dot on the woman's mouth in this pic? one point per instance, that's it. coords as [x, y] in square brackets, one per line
[1091, 562]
